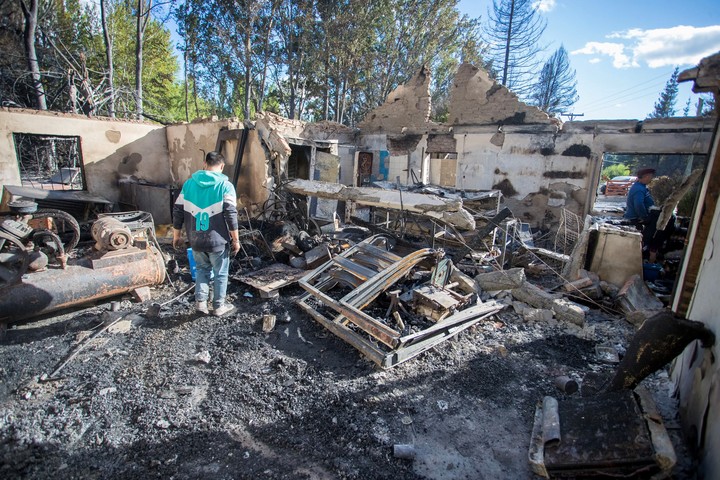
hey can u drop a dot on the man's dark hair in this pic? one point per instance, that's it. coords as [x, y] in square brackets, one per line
[213, 159]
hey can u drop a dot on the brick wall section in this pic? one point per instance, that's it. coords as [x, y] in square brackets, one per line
[441, 144]
[475, 99]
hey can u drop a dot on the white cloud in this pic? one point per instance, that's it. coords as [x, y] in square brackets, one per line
[595, 60]
[660, 47]
[544, 5]
[614, 50]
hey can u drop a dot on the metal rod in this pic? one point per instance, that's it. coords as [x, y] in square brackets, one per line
[82, 346]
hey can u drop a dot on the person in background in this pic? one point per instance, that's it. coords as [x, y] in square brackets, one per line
[207, 206]
[640, 211]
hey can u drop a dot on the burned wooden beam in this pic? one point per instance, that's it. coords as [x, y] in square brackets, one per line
[660, 339]
[450, 211]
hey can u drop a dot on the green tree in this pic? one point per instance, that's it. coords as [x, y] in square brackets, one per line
[555, 90]
[665, 106]
[513, 31]
[615, 170]
[159, 68]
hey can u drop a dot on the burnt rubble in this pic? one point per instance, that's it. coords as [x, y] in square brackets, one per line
[372, 337]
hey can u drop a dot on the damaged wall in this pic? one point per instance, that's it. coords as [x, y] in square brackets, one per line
[696, 373]
[540, 165]
[475, 99]
[111, 149]
[408, 106]
[189, 142]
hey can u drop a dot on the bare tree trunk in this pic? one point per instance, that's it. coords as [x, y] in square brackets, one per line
[109, 57]
[143, 15]
[507, 42]
[185, 75]
[195, 92]
[344, 97]
[291, 77]
[248, 70]
[326, 93]
[260, 97]
[30, 15]
[336, 116]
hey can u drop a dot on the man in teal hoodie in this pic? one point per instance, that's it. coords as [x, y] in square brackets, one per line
[207, 206]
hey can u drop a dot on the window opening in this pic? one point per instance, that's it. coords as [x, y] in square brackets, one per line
[49, 162]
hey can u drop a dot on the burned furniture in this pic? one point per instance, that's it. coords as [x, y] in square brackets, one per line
[268, 281]
[78, 203]
[615, 434]
[124, 258]
[344, 296]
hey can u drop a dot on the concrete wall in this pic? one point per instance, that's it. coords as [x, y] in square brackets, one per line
[540, 168]
[539, 164]
[475, 99]
[186, 143]
[110, 148]
[189, 142]
[696, 372]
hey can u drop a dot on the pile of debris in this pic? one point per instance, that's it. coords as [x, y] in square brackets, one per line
[421, 267]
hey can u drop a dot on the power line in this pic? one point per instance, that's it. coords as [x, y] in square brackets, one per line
[626, 92]
[610, 105]
[652, 90]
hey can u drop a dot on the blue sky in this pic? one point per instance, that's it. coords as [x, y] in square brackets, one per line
[624, 52]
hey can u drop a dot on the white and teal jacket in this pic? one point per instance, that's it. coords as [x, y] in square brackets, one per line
[207, 206]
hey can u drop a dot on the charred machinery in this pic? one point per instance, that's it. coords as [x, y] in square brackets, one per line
[41, 270]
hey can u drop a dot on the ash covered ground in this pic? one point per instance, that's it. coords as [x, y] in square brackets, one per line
[184, 396]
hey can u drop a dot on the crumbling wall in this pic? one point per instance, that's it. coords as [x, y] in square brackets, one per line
[297, 129]
[111, 149]
[530, 166]
[407, 107]
[475, 99]
[539, 164]
[254, 182]
[189, 142]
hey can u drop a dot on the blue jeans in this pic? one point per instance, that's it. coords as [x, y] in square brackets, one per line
[215, 266]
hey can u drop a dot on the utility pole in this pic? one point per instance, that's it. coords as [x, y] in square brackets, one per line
[572, 115]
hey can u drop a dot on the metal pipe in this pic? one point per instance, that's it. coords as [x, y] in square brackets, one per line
[82, 281]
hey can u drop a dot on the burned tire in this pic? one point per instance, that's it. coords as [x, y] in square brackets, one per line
[70, 226]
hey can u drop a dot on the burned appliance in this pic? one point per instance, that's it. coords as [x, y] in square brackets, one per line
[30, 239]
[389, 307]
[125, 257]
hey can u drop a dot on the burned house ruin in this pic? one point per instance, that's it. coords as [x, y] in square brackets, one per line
[401, 233]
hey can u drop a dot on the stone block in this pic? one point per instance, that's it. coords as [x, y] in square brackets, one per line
[501, 279]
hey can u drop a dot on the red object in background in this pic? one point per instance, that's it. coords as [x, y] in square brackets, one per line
[619, 185]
